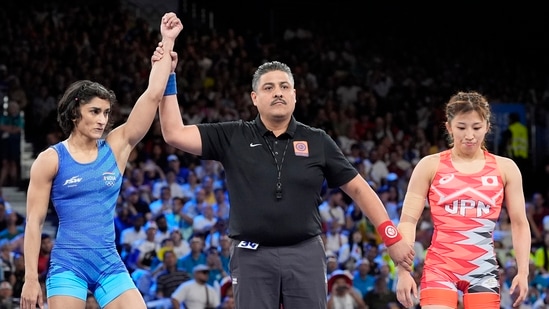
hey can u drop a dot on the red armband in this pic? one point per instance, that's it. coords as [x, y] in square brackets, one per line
[389, 233]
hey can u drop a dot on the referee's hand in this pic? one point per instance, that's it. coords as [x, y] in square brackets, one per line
[402, 254]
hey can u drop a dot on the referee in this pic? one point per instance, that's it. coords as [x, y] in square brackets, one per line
[275, 167]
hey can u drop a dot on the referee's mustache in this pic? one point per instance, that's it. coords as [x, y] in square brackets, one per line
[278, 101]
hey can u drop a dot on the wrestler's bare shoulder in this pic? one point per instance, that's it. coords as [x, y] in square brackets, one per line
[429, 161]
[508, 169]
[505, 162]
[47, 160]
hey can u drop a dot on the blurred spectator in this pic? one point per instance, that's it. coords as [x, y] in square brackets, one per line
[122, 220]
[348, 90]
[424, 232]
[372, 255]
[6, 296]
[331, 263]
[12, 126]
[152, 173]
[13, 227]
[181, 172]
[226, 293]
[381, 295]
[17, 244]
[203, 223]
[388, 195]
[363, 280]
[356, 220]
[175, 217]
[503, 229]
[346, 140]
[376, 167]
[333, 208]
[42, 105]
[509, 270]
[154, 153]
[144, 250]
[515, 140]
[217, 272]
[163, 204]
[18, 277]
[171, 182]
[536, 210]
[541, 256]
[46, 244]
[356, 153]
[212, 169]
[190, 186]
[341, 293]
[138, 180]
[7, 261]
[335, 236]
[225, 247]
[4, 76]
[196, 257]
[218, 230]
[131, 235]
[207, 183]
[163, 230]
[181, 246]
[134, 201]
[387, 273]
[221, 206]
[169, 277]
[192, 209]
[4, 206]
[149, 262]
[353, 251]
[196, 293]
[397, 163]
[543, 301]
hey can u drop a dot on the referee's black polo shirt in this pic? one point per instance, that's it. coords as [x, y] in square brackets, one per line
[256, 213]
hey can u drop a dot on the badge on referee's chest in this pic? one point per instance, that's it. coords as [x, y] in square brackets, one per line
[248, 245]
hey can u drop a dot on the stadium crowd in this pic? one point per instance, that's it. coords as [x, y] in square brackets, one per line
[382, 108]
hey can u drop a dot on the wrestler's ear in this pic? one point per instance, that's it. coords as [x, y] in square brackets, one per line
[448, 128]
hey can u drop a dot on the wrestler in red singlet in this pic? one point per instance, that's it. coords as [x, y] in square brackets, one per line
[464, 210]
[465, 187]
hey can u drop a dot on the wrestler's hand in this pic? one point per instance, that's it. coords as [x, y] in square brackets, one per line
[402, 254]
[406, 288]
[174, 60]
[158, 53]
[31, 295]
[519, 289]
[171, 26]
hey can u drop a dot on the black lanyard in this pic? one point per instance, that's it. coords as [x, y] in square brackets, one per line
[278, 191]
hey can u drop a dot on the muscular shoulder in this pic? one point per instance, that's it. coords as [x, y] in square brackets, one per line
[504, 162]
[426, 168]
[429, 161]
[46, 162]
[508, 169]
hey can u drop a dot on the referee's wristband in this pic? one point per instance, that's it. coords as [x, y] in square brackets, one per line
[389, 233]
[171, 86]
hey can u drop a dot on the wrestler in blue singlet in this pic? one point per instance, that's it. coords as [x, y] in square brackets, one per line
[84, 255]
